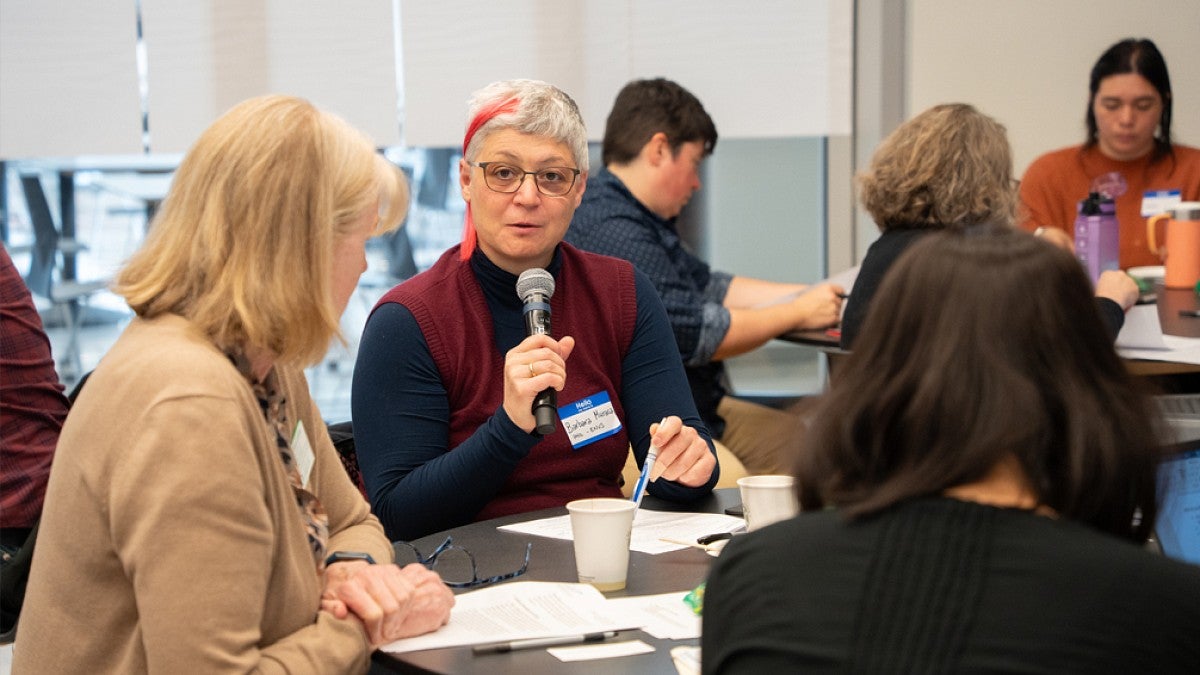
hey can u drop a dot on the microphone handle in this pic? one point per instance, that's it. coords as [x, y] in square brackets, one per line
[545, 411]
[537, 320]
[545, 404]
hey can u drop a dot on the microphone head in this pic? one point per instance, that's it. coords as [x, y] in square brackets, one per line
[535, 281]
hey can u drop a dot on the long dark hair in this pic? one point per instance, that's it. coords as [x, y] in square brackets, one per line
[980, 346]
[1142, 58]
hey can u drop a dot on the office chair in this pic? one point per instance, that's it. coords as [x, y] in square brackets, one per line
[68, 296]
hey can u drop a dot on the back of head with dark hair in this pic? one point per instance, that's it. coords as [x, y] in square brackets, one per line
[982, 346]
[1140, 56]
[646, 107]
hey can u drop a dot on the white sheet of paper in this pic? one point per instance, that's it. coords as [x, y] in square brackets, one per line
[1177, 350]
[687, 659]
[1142, 329]
[518, 611]
[665, 616]
[845, 278]
[648, 527]
[1142, 338]
[608, 650]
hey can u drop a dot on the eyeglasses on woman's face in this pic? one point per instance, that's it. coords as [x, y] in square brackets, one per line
[554, 181]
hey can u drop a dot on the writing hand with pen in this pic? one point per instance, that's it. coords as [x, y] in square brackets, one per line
[677, 453]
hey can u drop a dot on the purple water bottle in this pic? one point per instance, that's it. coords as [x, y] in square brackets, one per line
[1097, 235]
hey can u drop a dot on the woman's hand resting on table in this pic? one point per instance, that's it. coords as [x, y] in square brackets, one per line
[391, 602]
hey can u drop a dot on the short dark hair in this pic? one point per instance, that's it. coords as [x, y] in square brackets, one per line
[646, 107]
[983, 345]
[1139, 56]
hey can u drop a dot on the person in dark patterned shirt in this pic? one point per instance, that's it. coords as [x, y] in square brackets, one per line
[32, 407]
[32, 410]
[657, 135]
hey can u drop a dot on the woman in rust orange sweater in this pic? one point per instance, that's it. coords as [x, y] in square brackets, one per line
[1128, 155]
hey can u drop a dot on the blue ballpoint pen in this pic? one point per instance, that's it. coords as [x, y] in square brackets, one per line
[651, 456]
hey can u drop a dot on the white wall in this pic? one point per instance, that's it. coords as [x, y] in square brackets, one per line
[204, 57]
[763, 206]
[1026, 62]
[764, 69]
[68, 79]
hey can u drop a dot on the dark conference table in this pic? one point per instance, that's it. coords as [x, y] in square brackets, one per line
[554, 560]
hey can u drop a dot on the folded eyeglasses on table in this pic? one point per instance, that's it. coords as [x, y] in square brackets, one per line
[455, 564]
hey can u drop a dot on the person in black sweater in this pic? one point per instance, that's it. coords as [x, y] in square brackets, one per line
[948, 168]
[975, 489]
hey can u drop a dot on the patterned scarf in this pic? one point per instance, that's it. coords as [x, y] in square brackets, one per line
[316, 521]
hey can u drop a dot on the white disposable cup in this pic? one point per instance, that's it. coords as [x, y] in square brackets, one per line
[601, 528]
[767, 499]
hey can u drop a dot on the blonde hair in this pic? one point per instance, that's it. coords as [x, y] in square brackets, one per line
[948, 167]
[243, 244]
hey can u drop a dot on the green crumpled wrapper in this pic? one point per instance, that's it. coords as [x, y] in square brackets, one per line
[695, 599]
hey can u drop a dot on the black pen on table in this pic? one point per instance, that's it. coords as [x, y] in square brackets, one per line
[537, 643]
[1190, 312]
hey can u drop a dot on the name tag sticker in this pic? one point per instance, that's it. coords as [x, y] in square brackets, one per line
[302, 452]
[589, 419]
[1155, 202]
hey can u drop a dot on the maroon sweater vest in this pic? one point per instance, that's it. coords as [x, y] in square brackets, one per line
[595, 301]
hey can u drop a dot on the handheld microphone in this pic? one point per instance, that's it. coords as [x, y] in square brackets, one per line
[535, 287]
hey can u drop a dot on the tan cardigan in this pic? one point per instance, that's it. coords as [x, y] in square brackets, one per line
[171, 541]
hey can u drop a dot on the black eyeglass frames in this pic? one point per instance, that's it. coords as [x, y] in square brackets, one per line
[455, 564]
[554, 181]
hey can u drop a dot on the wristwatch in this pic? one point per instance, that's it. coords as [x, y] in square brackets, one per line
[347, 556]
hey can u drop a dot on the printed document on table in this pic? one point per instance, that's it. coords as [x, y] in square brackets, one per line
[648, 528]
[665, 616]
[1142, 338]
[519, 611]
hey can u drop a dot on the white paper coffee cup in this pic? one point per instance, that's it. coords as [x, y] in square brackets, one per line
[767, 499]
[601, 528]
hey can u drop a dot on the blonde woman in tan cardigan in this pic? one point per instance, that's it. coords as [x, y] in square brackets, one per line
[198, 518]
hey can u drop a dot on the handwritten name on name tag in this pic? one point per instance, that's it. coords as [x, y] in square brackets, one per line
[589, 419]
